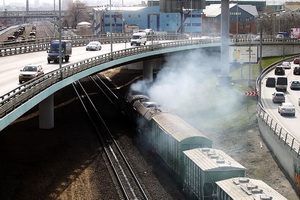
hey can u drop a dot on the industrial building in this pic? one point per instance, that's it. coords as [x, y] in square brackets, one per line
[191, 20]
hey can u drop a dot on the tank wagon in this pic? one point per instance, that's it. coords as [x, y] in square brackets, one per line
[247, 189]
[203, 167]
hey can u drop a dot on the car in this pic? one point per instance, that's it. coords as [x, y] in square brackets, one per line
[286, 109]
[94, 45]
[296, 61]
[278, 97]
[296, 70]
[29, 72]
[270, 82]
[295, 85]
[286, 65]
[279, 70]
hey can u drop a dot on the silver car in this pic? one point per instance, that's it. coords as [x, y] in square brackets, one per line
[94, 46]
[286, 109]
[286, 65]
[29, 72]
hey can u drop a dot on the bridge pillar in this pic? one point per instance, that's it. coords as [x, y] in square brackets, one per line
[224, 78]
[148, 70]
[46, 117]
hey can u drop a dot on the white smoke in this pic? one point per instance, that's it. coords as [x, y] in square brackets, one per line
[186, 86]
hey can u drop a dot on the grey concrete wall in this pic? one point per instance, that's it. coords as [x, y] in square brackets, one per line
[279, 50]
[282, 152]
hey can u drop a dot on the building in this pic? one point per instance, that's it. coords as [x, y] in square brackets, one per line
[146, 17]
[259, 4]
[242, 19]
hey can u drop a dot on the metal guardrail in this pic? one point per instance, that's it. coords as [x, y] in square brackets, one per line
[280, 132]
[21, 94]
[42, 44]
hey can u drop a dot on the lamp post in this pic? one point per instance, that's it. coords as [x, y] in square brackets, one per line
[237, 18]
[191, 19]
[60, 49]
[110, 26]
[151, 24]
[54, 18]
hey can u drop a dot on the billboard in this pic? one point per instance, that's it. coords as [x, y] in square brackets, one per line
[240, 54]
[295, 33]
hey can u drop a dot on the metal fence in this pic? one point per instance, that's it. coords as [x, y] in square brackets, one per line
[21, 94]
[8, 48]
[280, 132]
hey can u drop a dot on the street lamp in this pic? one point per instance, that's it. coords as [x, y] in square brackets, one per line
[60, 49]
[54, 18]
[111, 46]
[191, 19]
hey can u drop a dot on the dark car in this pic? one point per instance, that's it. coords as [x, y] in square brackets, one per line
[279, 70]
[295, 85]
[296, 71]
[297, 61]
[270, 82]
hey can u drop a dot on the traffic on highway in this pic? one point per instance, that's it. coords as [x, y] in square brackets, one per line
[280, 94]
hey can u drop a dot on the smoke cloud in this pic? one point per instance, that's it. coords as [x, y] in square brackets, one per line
[187, 86]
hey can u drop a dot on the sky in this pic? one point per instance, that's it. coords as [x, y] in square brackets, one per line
[101, 2]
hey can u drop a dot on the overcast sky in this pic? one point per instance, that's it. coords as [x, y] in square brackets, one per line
[102, 2]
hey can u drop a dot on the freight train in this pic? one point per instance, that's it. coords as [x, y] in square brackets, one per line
[205, 173]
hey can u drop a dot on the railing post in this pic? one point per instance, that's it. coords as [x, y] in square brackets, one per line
[292, 144]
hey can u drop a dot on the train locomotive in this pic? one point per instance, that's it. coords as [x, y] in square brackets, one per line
[189, 153]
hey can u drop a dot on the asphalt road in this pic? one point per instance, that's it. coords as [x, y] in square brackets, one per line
[289, 123]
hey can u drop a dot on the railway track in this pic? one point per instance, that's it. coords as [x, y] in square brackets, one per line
[126, 180]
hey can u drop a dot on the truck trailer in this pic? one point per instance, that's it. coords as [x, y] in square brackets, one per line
[66, 51]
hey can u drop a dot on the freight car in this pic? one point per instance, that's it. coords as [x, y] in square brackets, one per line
[167, 134]
[246, 188]
[203, 167]
[206, 173]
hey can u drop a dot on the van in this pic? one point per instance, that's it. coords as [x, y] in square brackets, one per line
[281, 84]
[138, 38]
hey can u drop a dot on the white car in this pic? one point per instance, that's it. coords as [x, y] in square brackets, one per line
[286, 109]
[94, 45]
[286, 65]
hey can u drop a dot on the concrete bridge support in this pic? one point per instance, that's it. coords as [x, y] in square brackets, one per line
[148, 66]
[224, 78]
[46, 117]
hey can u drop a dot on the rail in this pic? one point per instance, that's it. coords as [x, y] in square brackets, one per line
[282, 135]
[21, 94]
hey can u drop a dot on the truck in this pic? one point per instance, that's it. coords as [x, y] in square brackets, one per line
[138, 38]
[295, 33]
[283, 35]
[281, 84]
[53, 52]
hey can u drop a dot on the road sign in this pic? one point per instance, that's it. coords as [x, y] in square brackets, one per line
[251, 93]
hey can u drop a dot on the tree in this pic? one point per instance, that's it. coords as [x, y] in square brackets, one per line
[77, 12]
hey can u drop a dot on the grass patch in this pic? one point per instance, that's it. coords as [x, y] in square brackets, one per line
[240, 115]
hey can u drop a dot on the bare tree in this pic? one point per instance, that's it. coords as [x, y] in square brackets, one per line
[77, 12]
[273, 22]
